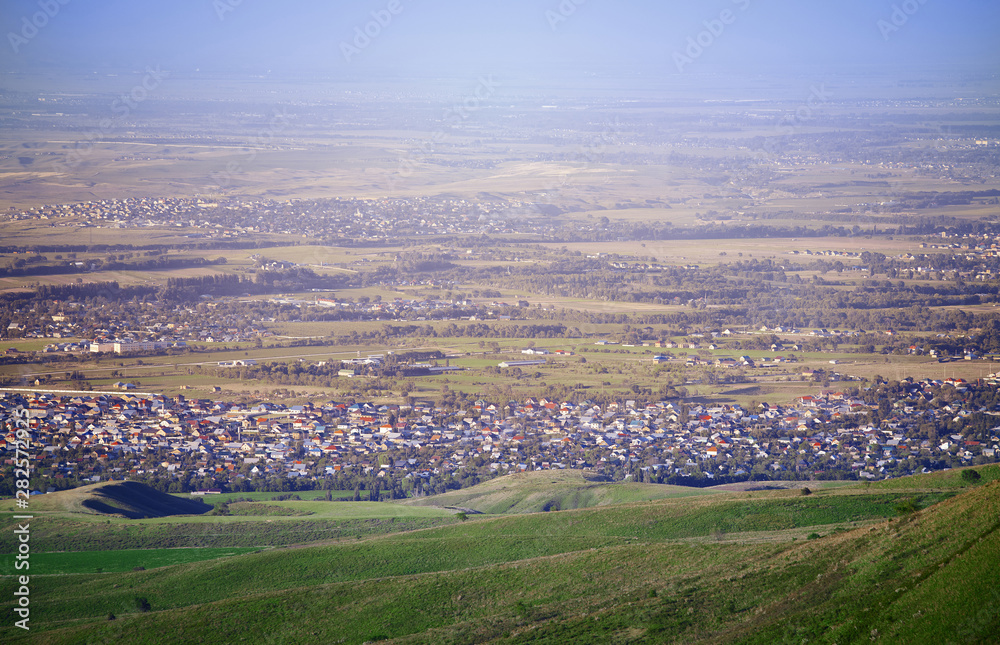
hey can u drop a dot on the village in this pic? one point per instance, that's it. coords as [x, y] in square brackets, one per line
[335, 218]
[203, 444]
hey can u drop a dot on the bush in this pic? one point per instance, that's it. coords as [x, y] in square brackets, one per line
[971, 476]
[907, 506]
[806, 491]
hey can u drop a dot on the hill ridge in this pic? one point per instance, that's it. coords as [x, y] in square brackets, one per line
[541, 491]
[129, 499]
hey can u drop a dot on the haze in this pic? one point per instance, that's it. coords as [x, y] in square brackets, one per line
[514, 39]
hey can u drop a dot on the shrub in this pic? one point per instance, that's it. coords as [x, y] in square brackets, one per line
[907, 506]
[971, 476]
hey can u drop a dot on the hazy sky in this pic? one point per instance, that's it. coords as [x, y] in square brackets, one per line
[509, 37]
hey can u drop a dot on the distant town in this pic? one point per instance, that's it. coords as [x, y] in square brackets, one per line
[185, 445]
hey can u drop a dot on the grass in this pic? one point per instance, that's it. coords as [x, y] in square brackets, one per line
[608, 574]
[553, 490]
[942, 480]
[82, 534]
[129, 499]
[93, 518]
[359, 510]
[71, 562]
[265, 497]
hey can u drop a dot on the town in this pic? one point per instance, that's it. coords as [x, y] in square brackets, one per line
[185, 445]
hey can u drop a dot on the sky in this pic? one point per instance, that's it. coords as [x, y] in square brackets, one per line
[531, 38]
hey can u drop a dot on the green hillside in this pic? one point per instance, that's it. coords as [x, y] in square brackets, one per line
[953, 479]
[532, 492]
[126, 499]
[720, 568]
[135, 501]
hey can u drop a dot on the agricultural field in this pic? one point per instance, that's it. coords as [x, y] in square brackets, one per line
[588, 369]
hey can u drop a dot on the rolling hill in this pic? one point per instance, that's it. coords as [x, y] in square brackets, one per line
[837, 566]
[126, 499]
[537, 491]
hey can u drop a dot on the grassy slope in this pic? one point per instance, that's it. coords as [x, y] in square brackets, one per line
[941, 480]
[119, 560]
[62, 522]
[531, 492]
[129, 499]
[263, 497]
[79, 533]
[551, 572]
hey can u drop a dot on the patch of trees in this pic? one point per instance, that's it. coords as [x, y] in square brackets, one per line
[112, 263]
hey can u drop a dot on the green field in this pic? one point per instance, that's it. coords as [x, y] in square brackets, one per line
[838, 565]
[68, 562]
[344, 511]
[265, 497]
[555, 490]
